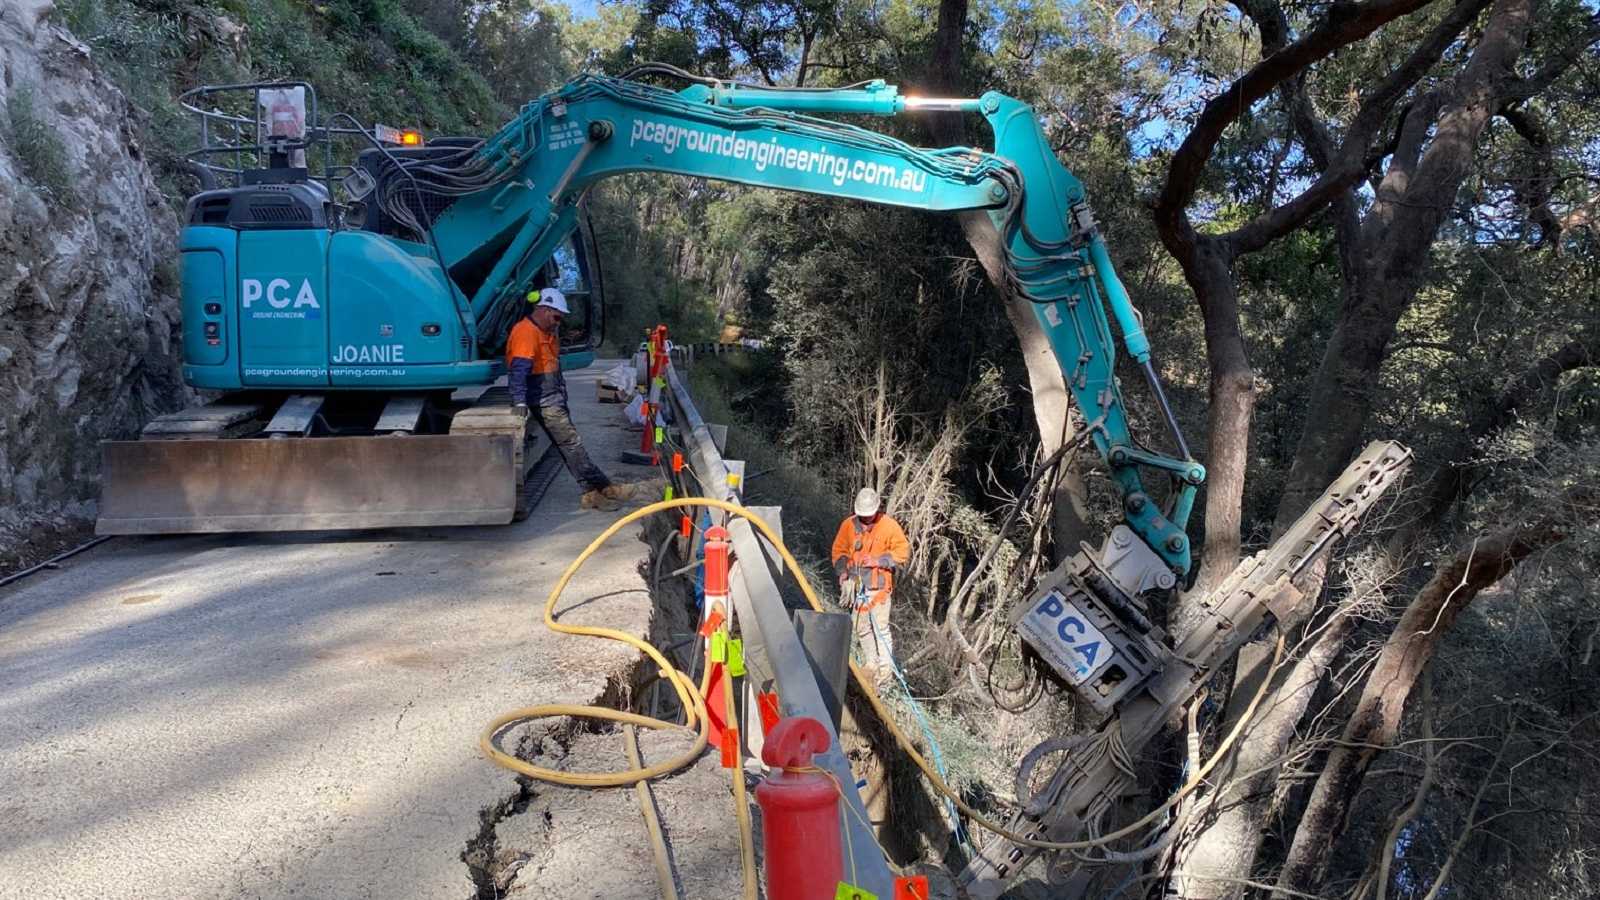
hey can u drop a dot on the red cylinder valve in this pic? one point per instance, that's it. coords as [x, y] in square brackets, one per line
[716, 552]
[799, 814]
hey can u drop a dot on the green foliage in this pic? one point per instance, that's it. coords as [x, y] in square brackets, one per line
[36, 143]
[525, 45]
[735, 390]
[656, 269]
[369, 58]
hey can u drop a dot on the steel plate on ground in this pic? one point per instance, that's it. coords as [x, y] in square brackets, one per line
[304, 484]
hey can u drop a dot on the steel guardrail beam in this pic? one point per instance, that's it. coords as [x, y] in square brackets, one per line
[763, 617]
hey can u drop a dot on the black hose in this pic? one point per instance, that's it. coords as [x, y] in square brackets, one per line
[433, 242]
[52, 561]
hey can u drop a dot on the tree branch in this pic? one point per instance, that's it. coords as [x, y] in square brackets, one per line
[1270, 22]
[1344, 24]
[1517, 90]
[1375, 722]
[1391, 845]
[1449, 483]
[1472, 820]
[1344, 167]
[1534, 191]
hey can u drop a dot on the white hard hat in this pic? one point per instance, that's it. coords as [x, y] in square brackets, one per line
[552, 298]
[866, 502]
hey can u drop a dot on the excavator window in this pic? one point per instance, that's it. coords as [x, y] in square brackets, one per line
[568, 270]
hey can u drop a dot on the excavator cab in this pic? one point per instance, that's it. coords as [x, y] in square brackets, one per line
[572, 269]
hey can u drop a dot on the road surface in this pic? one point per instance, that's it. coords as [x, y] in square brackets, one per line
[292, 715]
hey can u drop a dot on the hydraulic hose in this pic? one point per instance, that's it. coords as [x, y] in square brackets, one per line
[691, 695]
[693, 698]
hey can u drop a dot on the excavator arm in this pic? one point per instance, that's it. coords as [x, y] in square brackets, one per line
[497, 212]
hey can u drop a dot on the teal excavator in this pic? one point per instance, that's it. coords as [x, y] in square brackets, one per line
[352, 323]
[355, 320]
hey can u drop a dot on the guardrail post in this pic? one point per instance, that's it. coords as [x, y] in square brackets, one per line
[826, 639]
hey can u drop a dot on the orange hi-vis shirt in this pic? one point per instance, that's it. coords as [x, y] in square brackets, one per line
[876, 552]
[533, 364]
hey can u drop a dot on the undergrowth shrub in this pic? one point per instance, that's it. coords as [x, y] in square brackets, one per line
[911, 458]
[38, 147]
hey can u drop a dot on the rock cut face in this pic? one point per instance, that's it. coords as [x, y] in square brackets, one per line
[89, 311]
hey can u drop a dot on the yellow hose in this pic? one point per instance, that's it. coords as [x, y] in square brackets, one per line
[741, 806]
[693, 700]
[691, 695]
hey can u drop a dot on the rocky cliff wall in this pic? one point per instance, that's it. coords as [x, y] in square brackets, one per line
[88, 296]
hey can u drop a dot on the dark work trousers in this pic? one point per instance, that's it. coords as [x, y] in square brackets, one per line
[557, 422]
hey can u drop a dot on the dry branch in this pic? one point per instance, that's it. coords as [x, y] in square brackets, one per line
[1375, 723]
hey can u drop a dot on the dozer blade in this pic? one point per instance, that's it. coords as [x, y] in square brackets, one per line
[305, 484]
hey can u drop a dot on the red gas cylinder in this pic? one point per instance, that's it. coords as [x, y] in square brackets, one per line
[799, 814]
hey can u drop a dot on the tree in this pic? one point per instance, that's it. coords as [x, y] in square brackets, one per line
[1207, 259]
[771, 39]
[1384, 250]
[1375, 721]
[1383, 255]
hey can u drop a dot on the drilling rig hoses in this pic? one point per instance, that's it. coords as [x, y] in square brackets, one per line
[693, 700]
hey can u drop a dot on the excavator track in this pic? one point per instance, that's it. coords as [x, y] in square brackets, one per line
[491, 414]
[208, 469]
[539, 479]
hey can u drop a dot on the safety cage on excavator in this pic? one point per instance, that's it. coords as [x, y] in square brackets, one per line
[274, 133]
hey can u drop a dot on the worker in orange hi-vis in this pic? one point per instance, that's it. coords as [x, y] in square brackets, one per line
[533, 366]
[867, 551]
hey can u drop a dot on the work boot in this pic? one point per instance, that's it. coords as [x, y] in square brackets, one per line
[598, 500]
[644, 488]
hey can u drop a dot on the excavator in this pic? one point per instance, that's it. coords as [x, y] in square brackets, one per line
[351, 325]
[354, 320]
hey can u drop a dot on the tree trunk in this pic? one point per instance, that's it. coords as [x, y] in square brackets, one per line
[1229, 844]
[1207, 267]
[1376, 721]
[1051, 404]
[1316, 832]
[1382, 260]
[806, 39]
[1342, 392]
[1396, 239]
[1393, 245]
